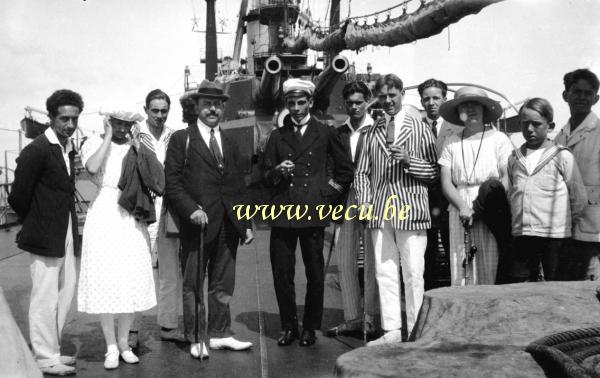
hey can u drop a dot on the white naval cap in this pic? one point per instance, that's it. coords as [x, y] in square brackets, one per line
[298, 85]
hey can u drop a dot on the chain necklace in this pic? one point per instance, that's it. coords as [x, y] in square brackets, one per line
[462, 150]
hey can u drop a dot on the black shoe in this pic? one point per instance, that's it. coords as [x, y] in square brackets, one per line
[308, 337]
[288, 337]
[346, 328]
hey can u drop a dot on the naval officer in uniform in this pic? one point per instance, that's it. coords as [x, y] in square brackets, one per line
[296, 171]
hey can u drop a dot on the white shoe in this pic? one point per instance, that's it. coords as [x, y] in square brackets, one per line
[111, 360]
[229, 343]
[129, 357]
[67, 360]
[390, 337]
[195, 351]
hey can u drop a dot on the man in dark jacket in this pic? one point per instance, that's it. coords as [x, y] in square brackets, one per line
[296, 171]
[42, 195]
[203, 184]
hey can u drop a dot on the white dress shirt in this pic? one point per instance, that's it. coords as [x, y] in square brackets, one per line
[51, 135]
[205, 134]
[304, 123]
[398, 121]
[355, 134]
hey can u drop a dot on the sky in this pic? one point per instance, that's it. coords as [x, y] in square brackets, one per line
[114, 52]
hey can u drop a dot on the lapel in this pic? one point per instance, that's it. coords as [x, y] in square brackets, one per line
[582, 131]
[226, 151]
[379, 133]
[287, 134]
[406, 129]
[57, 153]
[344, 132]
[311, 134]
[197, 144]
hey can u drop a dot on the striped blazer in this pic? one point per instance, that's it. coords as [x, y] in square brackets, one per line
[379, 177]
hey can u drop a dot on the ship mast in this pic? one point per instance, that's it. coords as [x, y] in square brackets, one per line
[211, 41]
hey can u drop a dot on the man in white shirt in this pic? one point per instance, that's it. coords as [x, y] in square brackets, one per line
[437, 265]
[348, 246]
[42, 195]
[155, 134]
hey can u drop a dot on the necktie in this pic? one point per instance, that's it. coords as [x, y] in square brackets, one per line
[433, 125]
[359, 146]
[391, 132]
[298, 132]
[214, 148]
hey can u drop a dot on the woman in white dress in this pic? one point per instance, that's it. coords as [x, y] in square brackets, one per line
[467, 160]
[116, 276]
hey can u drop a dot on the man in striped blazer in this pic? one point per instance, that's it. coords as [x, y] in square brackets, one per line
[397, 162]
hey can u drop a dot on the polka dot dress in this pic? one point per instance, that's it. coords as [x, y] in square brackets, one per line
[116, 268]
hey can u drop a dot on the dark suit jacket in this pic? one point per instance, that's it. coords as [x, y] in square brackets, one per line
[200, 182]
[310, 184]
[42, 195]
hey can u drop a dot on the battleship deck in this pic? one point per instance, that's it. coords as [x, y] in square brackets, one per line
[254, 318]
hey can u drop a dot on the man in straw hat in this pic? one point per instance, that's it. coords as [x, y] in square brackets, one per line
[397, 163]
[296, 171]
[203, 183]
[42, 195]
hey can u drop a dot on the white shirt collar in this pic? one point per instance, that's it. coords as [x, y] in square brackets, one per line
[397, 116]
[53, 139]
[206, 129]
[145, 129]
[303, 122]
[366, 122]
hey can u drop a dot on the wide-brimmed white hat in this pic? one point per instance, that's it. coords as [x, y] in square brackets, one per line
[492, 110]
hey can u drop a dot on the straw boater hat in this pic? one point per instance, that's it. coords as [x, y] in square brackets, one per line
[491, 108]
[298, 87]
[209, 89]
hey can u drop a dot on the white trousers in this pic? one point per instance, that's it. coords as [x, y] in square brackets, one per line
[53, 287]
[169, 278]
[392, 247]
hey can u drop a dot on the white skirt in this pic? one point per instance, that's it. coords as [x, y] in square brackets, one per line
[116, 267]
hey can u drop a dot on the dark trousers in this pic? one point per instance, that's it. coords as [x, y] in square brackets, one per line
[533, 250]
[575, 259]
[437, 263]
[219, 257]
[283, 261]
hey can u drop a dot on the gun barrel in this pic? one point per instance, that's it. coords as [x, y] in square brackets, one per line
[327, 80]
[268, 90]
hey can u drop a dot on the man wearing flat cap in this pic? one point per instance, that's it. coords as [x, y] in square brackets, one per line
[296, 171]
[203, 183]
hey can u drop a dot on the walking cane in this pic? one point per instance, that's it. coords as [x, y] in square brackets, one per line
[365, 251]
[199, 265]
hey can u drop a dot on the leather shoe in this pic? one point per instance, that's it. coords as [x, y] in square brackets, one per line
[288, 337]
[308, 337]
[346, 328]
[58, 369]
